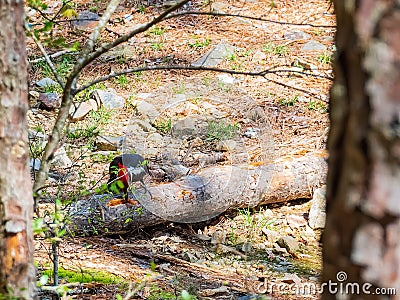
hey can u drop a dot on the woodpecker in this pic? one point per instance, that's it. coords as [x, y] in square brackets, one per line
[124, 170]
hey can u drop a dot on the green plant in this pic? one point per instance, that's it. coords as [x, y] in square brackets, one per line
[288, 102]
[221, 131]
[280, 50]
[180, 89]
[325, 58]
[272, 4]
[157, 45]
[122, 81]
[142, 9]
[317, 105]
[198, 44]
[223, 86]
[163, 125]
[156, 31]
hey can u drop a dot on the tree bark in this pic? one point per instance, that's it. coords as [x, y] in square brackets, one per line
[361, 240]
[17, 272]
[202, 196]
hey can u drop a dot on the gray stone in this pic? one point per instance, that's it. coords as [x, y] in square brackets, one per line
[227, 145]
[49, 101]
[34, 95]
[175, 171]
[317, 213]
[109, 143]
[34, 164]
[289, 243]
[85, 21]
[215, 56]
[61, 158]
[272, 236]
[46, 82]
[226, 79]
[296, 35]
[78, 111]
[259, 56]
[146, 126]
[184, 129]
[279, 250]
[147, 110]
[109, 99]
[291, 278]
[219, 7]
[218, 237]
[296, 221]
[313, 46]
[252, 133]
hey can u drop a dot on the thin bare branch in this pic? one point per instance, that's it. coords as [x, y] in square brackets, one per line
[54, 55]
[263, 73]
[46, 56]
[204, 13]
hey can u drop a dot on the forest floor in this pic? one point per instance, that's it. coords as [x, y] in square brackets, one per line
[229, 256]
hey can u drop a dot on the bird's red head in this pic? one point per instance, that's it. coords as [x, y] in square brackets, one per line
[123, 175]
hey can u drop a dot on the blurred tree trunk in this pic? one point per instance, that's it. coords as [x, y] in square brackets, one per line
[362, 235]
[16, 202]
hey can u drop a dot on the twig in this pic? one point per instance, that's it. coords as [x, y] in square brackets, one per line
[55, 55]
[46, 56]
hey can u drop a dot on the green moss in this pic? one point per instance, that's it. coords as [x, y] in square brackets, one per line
[87, 275]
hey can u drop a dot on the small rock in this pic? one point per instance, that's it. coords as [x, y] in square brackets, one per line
[203, 237]
[184, 129]
[226, 79]
[218, 237]
[189, 257]
[176, 171]
[246, 247]
[34, 164]
[228, 145]
[289, 243]
[296, 221]
[279, 250]
[259, 56]
[80, 110]
[49, 101]
[109, 99]
[61, 158]
[109, 143]
[144, 96]
[146, 126]
[296, 35]
[313, 46]
[291, 278]
[272, 236]
[213, 292]
[219, 7]
[256, 114]
[46, 82]
[252, 133]
[317, 213]
[147, 110]
[34, 95]
[86, 21]
[33, 134]
[215, 56]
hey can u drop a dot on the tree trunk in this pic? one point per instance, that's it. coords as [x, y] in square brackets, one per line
[16, 204]
[202, 196]
[361, 246]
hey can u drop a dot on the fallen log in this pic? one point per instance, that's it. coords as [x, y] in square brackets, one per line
[201, 196]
